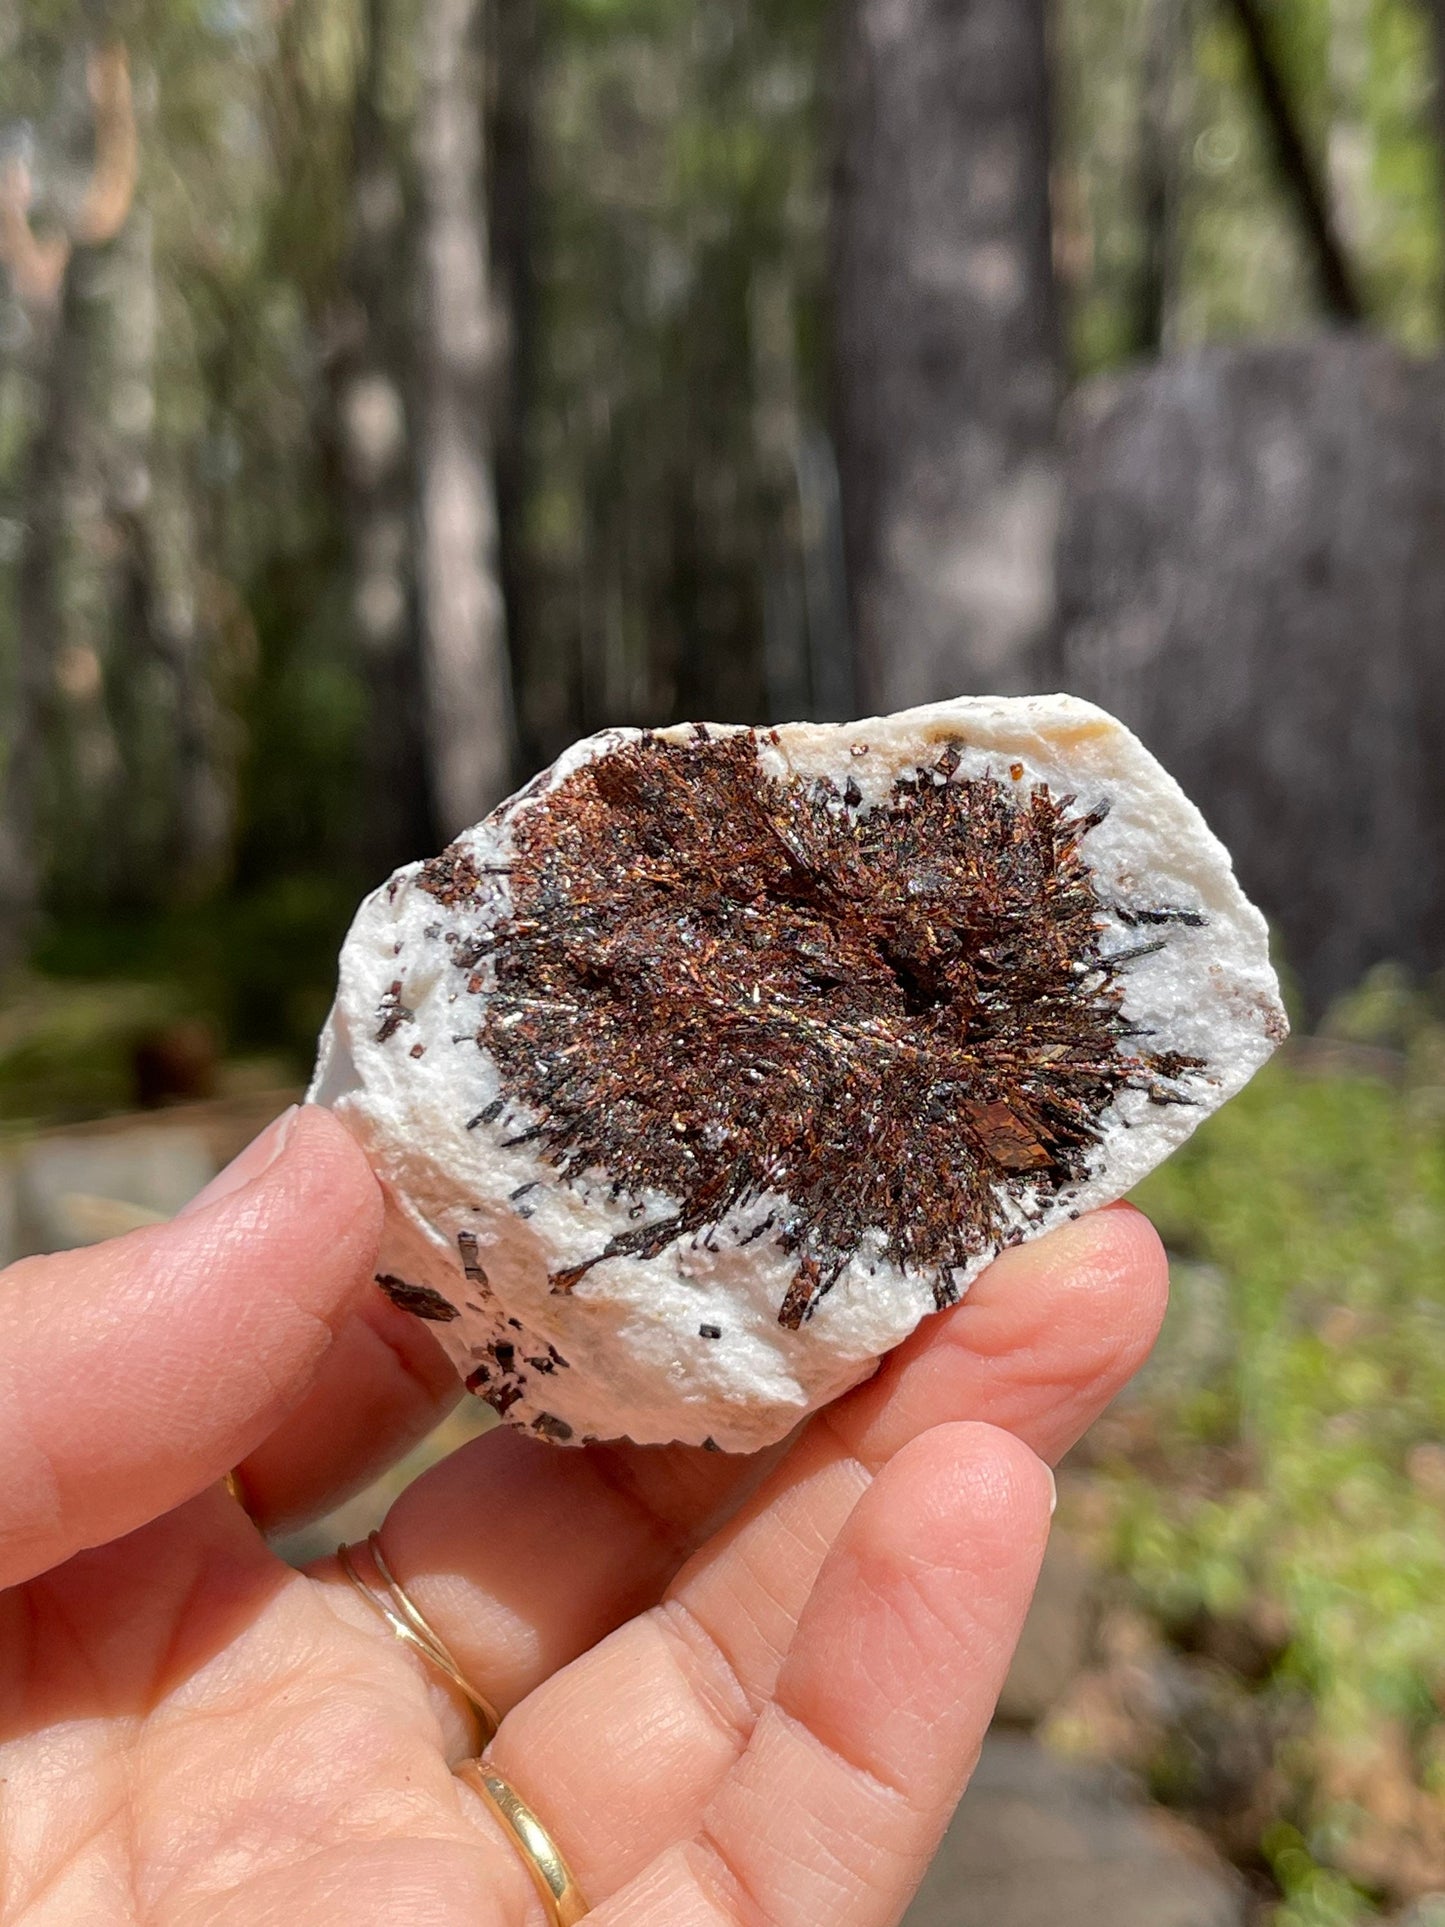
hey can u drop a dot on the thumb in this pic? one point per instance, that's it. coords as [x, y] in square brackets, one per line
[137, 1372]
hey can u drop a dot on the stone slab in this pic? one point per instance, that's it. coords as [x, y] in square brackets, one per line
[1039, 1841]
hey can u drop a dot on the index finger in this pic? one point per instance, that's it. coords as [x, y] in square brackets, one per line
[136, 1372]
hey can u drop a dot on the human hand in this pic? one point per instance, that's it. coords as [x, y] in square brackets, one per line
[736, 1690]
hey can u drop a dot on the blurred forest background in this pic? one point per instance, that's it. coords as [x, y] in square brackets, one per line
[393, 390]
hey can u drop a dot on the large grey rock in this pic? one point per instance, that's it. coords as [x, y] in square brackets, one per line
[1252, 575]
[1040, 1842]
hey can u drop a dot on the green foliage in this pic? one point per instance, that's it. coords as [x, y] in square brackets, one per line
[1315, 1895]
[1302, 1472]
[674, 334]
[66, 1049]
[259, 966]
[1360, 73]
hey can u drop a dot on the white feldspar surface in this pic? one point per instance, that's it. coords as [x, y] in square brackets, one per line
[484, 1224]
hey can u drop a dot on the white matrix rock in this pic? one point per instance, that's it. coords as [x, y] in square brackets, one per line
[519, 1201]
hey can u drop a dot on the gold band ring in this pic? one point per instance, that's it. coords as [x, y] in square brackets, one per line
[406, 1621]
[232, 1483]
[551, 1875]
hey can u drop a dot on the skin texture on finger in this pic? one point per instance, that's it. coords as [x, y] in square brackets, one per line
[380, 1389]
[810, 1502]
[1036, 1361]
[1048, 1335]
[391, 1883]
[855, 1764]
[190, 1734]
[135, 1373]
[523, 1555]
[683, 1687]
[528, 1554]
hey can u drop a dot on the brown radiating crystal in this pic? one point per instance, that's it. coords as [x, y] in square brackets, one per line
[719, 984]
[420, 1300]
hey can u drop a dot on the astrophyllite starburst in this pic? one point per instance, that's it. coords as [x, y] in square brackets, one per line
[717, 1058]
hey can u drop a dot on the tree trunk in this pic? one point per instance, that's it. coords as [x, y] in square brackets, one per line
[514, 61]
[50, 754]
[166, 816]
[59, 374]
[459, 350]
[373, 415]
[1300, 176]
[807, 651]
[1161, 138]
[948, 359]
[1436, 12]
[777, 434]
[1252, 575]
[1350, 154]
[180, 638]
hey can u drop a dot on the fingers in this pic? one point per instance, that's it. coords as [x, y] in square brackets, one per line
[135, 1373]
[852, 1769]
[736, 1603]
[180, 1717]
[1050, 1333]
[381, 1387]
[523, 1556]
[683, 1684]
[376, 1883]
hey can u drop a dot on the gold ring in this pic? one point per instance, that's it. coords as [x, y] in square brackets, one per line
[232, 1483]
[406, 1621]
[551, 1875]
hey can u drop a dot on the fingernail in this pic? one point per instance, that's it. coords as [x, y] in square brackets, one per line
[1053, 1491]
[258, 1156]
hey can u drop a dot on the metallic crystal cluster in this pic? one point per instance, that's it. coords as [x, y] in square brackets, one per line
[718, 985]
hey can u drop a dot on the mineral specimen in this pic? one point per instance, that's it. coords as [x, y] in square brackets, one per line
[717, 1058]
